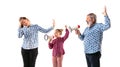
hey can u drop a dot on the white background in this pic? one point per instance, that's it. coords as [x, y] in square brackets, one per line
[65, 12]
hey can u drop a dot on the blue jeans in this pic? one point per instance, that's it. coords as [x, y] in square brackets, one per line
[93, 60]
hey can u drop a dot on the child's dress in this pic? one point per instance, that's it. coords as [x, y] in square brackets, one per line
[57, 45]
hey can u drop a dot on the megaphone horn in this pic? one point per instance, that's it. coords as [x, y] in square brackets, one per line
[74, 28]
[70, 28]
[46, 37]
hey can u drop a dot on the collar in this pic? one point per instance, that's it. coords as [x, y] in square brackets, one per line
[92, 25]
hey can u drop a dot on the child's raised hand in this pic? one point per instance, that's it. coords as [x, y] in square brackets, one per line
[65, 26]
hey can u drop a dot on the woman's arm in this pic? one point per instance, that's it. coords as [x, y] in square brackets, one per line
[20, 33]
[46, 30]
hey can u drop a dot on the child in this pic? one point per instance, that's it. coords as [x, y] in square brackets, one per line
[57, 46]
[92, 37]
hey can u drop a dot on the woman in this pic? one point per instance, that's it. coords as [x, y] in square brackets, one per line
[29, 48]
[57, 46]
[92, 37]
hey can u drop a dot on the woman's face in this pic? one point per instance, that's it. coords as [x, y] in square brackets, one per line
[24, 22]
[90, 20]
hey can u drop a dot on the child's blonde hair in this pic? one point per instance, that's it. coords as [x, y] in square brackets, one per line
[59, 30]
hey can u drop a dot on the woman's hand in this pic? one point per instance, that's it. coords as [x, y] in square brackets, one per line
[20, 25]
[53, 22]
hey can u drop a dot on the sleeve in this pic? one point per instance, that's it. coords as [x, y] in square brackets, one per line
[50, 44]
[107, 24]
[66, 35]
[44, 30]
[20, 33]
[81, 37]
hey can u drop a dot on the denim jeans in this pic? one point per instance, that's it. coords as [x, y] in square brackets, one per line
[93, 60]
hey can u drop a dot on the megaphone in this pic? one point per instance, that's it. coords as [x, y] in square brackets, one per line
[46, 37]
[74, 28]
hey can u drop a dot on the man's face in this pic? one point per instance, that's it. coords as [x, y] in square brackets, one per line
[90, 20]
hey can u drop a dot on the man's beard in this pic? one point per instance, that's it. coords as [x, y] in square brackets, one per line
[89, 24]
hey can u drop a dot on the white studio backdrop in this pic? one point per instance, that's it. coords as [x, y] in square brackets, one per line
[65, 12]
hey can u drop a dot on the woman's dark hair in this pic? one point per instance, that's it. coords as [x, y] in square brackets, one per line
[92, 16]
[23, 18]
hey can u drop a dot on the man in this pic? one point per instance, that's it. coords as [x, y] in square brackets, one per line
[92, 37]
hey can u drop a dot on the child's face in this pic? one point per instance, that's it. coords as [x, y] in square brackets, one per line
[57, 34]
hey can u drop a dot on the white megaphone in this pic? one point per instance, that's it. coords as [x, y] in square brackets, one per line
[74, 28]
[46, 37]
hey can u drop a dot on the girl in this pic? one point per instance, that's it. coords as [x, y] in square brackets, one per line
[57, 46]
[29, 48]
